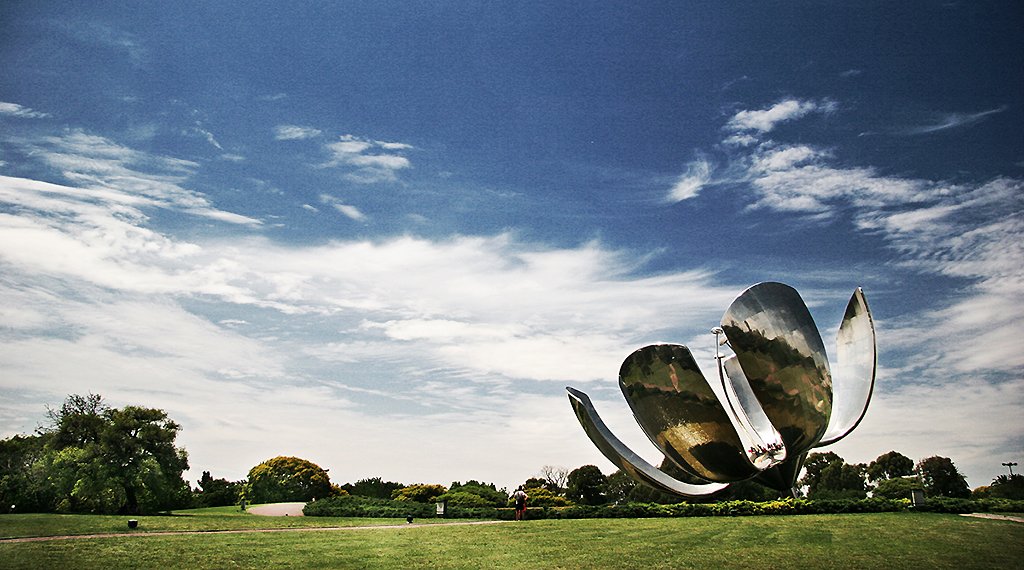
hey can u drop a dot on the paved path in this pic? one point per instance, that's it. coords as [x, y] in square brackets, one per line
[996, 517]
[239, 531]
[279, 510]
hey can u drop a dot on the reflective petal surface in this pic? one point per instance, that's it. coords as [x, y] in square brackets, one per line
[781, 353]
[853, 379]
[762, 442]
[682, 415]
[778, 397]
[624, 458]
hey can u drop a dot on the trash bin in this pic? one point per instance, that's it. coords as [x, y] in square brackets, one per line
[132, 523]
[442, 508]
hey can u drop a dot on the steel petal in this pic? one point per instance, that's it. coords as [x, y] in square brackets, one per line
[625, 459]
[781, 353]
[682, 415]
[854, 378]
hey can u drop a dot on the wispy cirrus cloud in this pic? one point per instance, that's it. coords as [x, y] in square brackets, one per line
[348, 210]
[124, 174]
[368, 160]
[21, 112]
[295, 132]
[690, 183]
[949, 121]
[964, 230]
[100, 34]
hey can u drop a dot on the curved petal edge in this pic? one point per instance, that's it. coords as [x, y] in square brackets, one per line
[624, 458]
[853, 378]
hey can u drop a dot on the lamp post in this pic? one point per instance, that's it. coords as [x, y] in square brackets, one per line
[1010, 465]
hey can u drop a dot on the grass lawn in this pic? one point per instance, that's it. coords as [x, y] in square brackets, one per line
[215, 518]
[884, 540]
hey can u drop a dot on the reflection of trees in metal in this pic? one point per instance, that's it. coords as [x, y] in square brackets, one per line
[781, 399]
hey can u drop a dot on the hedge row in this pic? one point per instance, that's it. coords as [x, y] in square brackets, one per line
[366, 507]
[355, 506]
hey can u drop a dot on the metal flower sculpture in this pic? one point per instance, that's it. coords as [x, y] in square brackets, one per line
[781, 398]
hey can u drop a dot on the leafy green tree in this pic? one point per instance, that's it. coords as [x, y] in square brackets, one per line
[137, 452]
[619, 486]
[586, 485]
[373, 487]
[283, 479]
[1003, 487]
[537, 483]
[941, 478]
[828, 476]
[218, 492]
[840, 480]
[487, 492]
[814, 465]
[890, 465]
[541, 497]
[102, 459]
[23, 487]
[896, 488]
[419, 493]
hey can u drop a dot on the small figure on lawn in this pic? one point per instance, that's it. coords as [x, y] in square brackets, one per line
[520, 499]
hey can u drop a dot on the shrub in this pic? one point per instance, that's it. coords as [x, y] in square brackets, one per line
[288, 479]
[419, 493]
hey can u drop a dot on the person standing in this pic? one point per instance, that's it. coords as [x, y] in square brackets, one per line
[520, 500]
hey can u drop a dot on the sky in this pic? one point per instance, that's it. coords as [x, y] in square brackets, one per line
[384, 236]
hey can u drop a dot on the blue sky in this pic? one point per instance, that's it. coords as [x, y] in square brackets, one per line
[383, 236]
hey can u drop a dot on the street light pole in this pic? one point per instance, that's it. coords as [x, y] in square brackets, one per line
[1010, 465]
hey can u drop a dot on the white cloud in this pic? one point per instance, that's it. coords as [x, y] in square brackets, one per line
[950, 121]
[16, 110]
[295, 132]
[963, 347]
[347, 210]
[765, 120]
[405, 339]
[698, 173]
[110, 171]
[353, 153]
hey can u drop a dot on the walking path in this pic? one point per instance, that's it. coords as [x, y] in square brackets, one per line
[279, 510]
[996, 517]
[237, 531]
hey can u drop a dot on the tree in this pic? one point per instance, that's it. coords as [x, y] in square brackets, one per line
[102, 459]
[890, 465]
[22, 487]
[374, 487]
[541, 497]
[619, 486]
[419, 493]
[486, 493]
[896, 488]
[940, 478]
[586, 485]
[828, 476]
[282, 479]
[138, 452]
[814, 465]
[1003, 487]
[841, 481]
[536, 483]
[218, 492]
[557, 478]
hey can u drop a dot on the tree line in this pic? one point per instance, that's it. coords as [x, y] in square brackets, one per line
[93, 458]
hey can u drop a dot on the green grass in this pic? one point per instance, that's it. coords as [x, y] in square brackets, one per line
[812, 541]
[209, 519]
